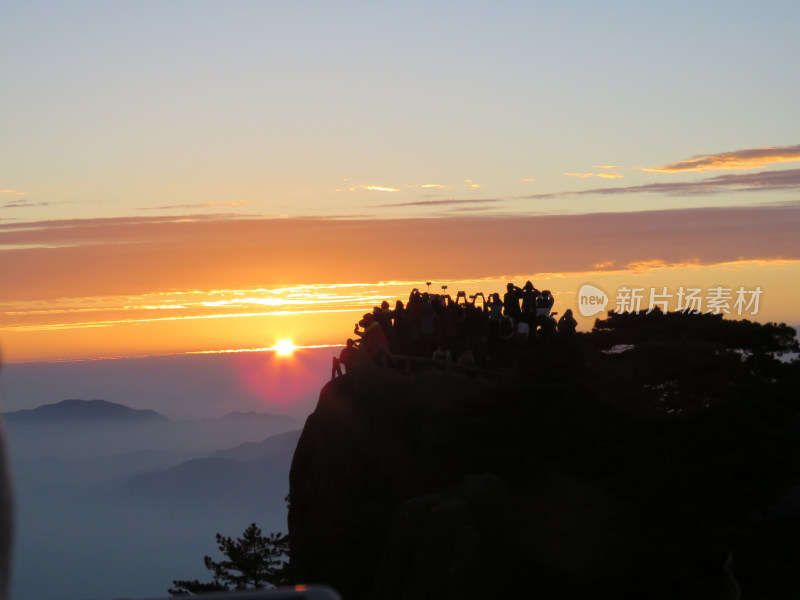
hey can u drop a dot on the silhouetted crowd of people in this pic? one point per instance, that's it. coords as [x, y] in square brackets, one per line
[470, 331]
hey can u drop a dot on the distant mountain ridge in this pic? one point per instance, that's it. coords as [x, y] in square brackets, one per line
[84, 429]
[78, 409]
[282, 444]
[83, 410]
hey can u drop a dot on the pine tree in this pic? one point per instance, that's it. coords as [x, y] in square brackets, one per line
[252, 561]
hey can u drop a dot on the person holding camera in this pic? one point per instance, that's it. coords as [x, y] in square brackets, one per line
[511, 302]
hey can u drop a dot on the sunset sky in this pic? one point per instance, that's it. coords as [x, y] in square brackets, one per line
[193, 176]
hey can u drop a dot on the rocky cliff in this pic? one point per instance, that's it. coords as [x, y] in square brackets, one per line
[441, 485]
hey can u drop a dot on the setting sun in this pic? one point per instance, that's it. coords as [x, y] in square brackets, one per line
[284, 347]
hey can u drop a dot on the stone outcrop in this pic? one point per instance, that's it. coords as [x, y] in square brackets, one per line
[440, 485]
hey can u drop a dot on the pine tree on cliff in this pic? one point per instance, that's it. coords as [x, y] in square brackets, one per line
[252, 561]
[692, 363]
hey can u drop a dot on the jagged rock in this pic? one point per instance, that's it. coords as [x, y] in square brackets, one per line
[570, 483]
[428, 486]
[442, 545]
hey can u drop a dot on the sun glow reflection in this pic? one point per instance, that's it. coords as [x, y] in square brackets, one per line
[284, 347]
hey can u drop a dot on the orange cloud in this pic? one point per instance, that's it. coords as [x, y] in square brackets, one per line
[436, 186]
[133, 256]
[470, 185]
[647, 265]
[786, 179]
[753, 158]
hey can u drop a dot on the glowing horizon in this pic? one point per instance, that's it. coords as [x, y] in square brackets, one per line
[328, 324]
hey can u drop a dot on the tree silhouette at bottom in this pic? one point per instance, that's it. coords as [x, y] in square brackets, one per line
[252, 561]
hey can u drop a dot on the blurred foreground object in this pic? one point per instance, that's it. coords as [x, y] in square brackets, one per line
[6, 512]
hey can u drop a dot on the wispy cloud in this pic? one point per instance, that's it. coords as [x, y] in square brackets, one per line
[233, 203]
[436, 186]
[13, 192]
[753, 158]
[369, 188]
[22, 203]
[601, 175]
[459, 210]
[468, 185]
[448, 202]
[788, 179]
[71, 231]
[528, 179]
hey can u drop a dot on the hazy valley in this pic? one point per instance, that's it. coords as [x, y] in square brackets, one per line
[116, 502]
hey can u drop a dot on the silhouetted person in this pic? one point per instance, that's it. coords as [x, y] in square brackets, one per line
[414, 316]
[427, 326]
[473, 301]
[476, 330]
[511, 302]
[383, 316]
[401, 329]
[495, 306]
[399, 312]
[545, 304]
[451, 319]
[567, 323]
[373, 338]
[530, 299]
[345, 358]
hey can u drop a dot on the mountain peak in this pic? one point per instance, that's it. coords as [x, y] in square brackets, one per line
[81, 410]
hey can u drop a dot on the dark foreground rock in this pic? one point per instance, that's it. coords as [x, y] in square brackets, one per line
[439, 485]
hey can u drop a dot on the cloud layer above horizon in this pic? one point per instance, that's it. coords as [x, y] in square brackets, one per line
[51, 259]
